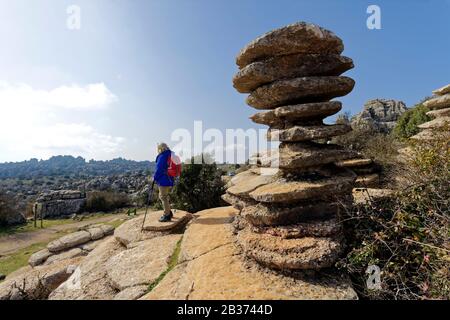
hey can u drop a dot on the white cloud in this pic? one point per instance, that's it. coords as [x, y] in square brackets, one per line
[36, 122]
[92, 96]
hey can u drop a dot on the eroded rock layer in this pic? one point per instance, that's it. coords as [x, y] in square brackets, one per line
[289, 217]
[440, 111]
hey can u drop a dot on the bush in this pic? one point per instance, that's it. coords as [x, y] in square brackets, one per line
[380, 147]
[6, 207]
[406, 236]
[407, 125]
[200, 187]
[105, 201]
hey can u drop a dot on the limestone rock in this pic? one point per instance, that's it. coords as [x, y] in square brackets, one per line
[91, 245]
[292, 191]
[72, 253]
[442, 91]
[142, 264]
[266, 215]
[300, 37]
[180, 219]
[278, 253]
[292, 66]
[314, 228]
[96, 233]
[59, 203]
[130, 231]
[131, 293]
[91, 282]
[297, 112]
[217, 270]
[253, 181]
[236, 202]
[37, 283]
[351, 163]
[424, 135]
[69, 241]
[39, 257]
[439, 113]
[380, 115]
[438, 102]
[308, 154]
[208, 222]
[436, 123]
[306, 133]
[300, 90]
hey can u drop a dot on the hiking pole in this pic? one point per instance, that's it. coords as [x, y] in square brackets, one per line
[150, 196]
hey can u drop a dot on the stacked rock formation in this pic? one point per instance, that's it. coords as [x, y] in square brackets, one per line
[440, 111]
[290, 219]
[365, 169]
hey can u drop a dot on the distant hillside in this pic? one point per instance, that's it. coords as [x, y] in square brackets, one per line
[71, 166]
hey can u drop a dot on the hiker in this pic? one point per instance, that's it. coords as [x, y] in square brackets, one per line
[163, 180]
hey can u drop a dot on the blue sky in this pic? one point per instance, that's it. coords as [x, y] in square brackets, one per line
[137, 70]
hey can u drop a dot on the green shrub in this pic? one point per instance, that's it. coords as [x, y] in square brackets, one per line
[5, 208]
[408, 235]
[200, 187]
[105, 201]
[407, 125]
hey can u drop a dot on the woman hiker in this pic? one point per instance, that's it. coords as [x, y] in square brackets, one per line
[163, 180]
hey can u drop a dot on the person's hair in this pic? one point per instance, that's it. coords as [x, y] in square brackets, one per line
[162, 147]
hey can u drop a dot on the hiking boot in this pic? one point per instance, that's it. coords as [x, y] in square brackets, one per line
[170, 214]
[165, 218]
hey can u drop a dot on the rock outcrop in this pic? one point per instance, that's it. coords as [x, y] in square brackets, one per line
[75, 244]
[37, 283]
[289, 219]
[126, 264]
[211, 266]
[380, 115]
[440, 111]
[59, 203]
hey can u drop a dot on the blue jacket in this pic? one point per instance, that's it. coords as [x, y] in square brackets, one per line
[161, 177]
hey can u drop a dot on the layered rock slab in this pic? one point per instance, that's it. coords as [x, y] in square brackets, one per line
[220, 271]
[142, 264]
[292, 191]
[298, 253]
[180, 218]
[291, 66]
[319, 110]
[300, 37]
[309, 154]
[439, 113]
[37, 283]
[438, 102]
[270, 215]
[92, 279]
[307, 133]
[300, 90]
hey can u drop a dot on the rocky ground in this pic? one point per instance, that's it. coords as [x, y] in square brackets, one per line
[200, 261]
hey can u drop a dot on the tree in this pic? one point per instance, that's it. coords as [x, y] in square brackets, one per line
[200, 187]
[407, 125]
